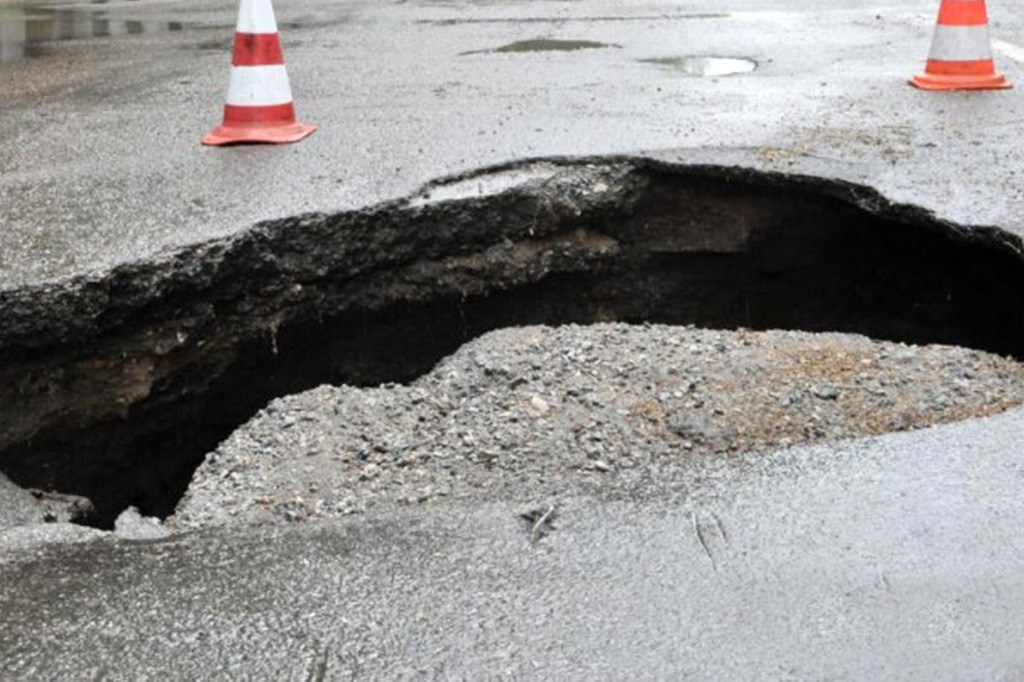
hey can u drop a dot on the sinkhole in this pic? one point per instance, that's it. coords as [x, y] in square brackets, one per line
[115, 386]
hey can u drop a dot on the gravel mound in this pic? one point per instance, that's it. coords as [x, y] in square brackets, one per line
[556, 409]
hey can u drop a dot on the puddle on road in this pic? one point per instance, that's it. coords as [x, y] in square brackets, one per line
[706, 66]
[24, 29]
[545, 45]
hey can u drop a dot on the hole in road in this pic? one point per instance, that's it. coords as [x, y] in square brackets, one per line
[123, 407]
[706, 66]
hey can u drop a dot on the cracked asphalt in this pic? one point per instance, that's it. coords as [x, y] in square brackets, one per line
[896, 557]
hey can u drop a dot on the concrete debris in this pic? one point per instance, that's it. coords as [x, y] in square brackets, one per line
[131, 525]
[20, 507]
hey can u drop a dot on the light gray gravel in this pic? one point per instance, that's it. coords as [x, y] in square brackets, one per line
[20, 507]
[32, 519]
[552, 411]
[131, 525]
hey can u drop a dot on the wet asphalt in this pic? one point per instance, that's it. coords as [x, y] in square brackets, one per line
[894, 558]
[101, 162]
[897, 557]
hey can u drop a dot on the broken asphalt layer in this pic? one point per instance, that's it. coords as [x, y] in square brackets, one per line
[897, 556]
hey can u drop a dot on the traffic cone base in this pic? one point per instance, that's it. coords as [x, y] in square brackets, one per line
[927, 81]
[259, 102]
[273, 133]
[961, 52]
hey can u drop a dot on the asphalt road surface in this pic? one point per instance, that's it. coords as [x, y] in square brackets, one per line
[101, 162]
[893, 558]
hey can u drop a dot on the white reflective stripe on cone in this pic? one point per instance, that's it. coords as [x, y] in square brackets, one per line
[256, 86]
[256, 16]
[961, 44]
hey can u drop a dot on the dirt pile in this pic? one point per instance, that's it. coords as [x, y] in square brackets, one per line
[558, 409]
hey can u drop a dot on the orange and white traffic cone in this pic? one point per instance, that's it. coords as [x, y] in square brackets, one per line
[259, 104]
[961, 54]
